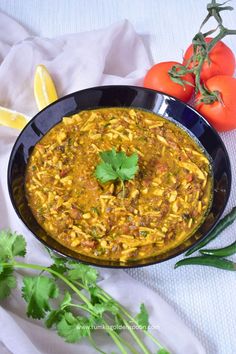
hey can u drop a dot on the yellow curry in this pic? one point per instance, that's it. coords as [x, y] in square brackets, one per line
[163, 205]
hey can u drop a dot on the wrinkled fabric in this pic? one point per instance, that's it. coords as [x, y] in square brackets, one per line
[114, 55]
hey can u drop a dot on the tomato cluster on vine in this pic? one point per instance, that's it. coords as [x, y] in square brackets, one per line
[215, 80]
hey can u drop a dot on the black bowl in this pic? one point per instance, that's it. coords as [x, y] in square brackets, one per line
[119, 96]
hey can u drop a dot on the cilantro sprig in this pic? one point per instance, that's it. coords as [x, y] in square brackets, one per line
[116, 166]
[67, 297]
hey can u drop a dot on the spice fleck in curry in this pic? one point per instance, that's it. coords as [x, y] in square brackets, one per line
[163, 204]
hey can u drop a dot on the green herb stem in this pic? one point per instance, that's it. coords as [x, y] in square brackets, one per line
[81, 307]
[38, 290]
[123, 188]
[131, 318]
[133, 350]
[113, 334]
[144, 330]
[92, 341]
[136, 338]
[116, 340]
[94, 314]
[105, 296]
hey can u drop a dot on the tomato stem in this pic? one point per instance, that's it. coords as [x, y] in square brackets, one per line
[201, 50]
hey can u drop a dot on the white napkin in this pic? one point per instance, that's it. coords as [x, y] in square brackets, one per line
[114, 55]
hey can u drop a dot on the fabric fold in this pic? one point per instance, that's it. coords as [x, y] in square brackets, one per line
[114, 55]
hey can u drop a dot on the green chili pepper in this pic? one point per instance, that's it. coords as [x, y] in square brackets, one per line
[221, 252]
[210, 261]
[223, 224]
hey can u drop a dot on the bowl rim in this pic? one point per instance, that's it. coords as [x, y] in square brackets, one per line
[94, 260]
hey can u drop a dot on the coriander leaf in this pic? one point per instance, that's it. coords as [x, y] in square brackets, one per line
[72, 328]
[58, 267]
[19, 246]
[127, 173]
[7, 282]
[66, 300]
[129, 167]
[116, 165]
[108, 306]
[95, 293]
[54, 317]
[59, 264]
[11, 245]
[108, 156]
[142, 317]
[55, 257]
[130, 161]
[37, 291]
[104, 173]
[83, 272]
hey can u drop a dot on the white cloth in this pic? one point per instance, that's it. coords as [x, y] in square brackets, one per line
[111, 56]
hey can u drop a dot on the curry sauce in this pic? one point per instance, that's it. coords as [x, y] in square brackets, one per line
[163, 205]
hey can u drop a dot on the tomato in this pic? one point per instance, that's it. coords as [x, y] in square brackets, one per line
[157, 78]
[222, 115]
[222, 60]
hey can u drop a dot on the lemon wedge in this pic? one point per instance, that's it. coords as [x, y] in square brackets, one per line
[12, 119]
[44, 88]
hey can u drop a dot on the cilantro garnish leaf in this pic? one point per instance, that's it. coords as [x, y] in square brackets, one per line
[72, 328]
[7, 282]
[116, 165]
[11, 245]
[37, 291]
[142, 317]
[105, 173]
[86, 274]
